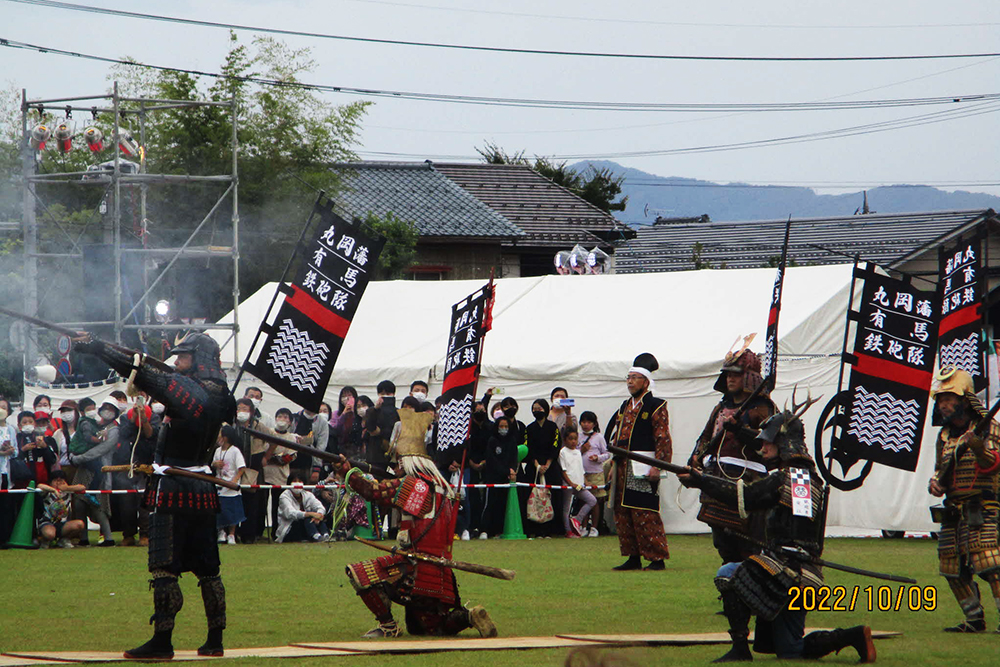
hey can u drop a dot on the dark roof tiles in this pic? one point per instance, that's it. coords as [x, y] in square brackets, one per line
[883, 239]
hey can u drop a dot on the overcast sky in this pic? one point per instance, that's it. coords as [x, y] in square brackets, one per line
[962, 150]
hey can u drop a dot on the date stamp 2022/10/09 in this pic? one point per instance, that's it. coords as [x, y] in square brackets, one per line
[867, 598]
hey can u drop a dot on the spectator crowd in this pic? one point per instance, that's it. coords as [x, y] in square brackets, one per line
[294, 496]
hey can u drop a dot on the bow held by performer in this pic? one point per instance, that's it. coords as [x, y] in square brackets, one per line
[183, 510]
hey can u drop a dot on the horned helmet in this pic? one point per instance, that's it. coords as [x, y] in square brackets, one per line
[786, 430]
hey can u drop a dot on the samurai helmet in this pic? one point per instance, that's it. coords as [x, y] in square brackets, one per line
[785, 429]
[743, 361]
[952, 380]
[205, 355]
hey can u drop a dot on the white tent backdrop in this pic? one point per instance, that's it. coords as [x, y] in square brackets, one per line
[582, 333]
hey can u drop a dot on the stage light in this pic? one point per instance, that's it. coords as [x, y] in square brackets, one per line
[128, 145]
[561, 261]
[94, 138]
[162, 311]
[39, 135]
[597, 261]
[64, 136]
[578, 259]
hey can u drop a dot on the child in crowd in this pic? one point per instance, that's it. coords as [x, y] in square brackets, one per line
[34, 450]
[571, 462]
[228, 463]
[594, 449]
[55, 523]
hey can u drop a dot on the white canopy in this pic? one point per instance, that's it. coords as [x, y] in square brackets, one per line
[582, 333]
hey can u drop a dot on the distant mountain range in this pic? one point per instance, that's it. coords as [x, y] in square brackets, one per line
[674, 197]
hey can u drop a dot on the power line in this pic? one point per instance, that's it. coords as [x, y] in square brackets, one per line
[54, 4]
[685, 24]
[575, 105]
[870, 128]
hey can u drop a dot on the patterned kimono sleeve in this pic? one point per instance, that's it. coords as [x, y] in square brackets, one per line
[661, 435]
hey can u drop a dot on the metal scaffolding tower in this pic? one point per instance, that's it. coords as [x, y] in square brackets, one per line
[113, 180]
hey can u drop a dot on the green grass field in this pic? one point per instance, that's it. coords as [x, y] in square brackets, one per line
[97, 599]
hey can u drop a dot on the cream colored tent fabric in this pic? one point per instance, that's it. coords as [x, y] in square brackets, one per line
[582, 333]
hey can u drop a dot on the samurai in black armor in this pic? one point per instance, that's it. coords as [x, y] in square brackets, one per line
[792, 502]
[182, 534]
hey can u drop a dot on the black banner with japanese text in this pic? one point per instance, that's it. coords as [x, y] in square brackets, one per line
[961, 288]
[471, 318]
[301, 344]
[892, 367]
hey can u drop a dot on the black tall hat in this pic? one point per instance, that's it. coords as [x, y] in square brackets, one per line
[648, 361]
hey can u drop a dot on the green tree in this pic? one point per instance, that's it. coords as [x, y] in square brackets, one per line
[600, 187]
[400, 248]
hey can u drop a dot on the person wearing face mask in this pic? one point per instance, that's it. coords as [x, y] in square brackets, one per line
[304, 424]
[43, 404]
[300, 515]
[476, 444]
[418, 390]
[138, 429]
[68, 415]
[254, 451]
[499, 467]
[640, 425]
[33, 449]
[255, 396]
[89, 471]
[542, 467]
[277, 460]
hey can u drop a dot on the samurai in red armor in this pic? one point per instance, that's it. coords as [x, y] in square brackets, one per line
[429, 506]
[182, 532]
[726, 448]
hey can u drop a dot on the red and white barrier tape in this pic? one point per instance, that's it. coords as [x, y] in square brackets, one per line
[326, 486]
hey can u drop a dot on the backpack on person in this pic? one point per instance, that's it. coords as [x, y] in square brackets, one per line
[81, 442]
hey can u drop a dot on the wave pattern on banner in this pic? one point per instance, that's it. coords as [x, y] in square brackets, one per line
[962, 353]
[297, 358]
[768, 357]
[884, 420]
[453, 422]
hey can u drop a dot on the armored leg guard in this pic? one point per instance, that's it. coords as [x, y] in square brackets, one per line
[967, 593]
[738, 615]
[213, 594]
[167, 601]
[817, 644]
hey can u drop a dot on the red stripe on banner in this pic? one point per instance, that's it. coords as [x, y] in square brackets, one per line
[318, 313]
[772, 316]
[959, 318]
[459, 378]
[890, 370]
